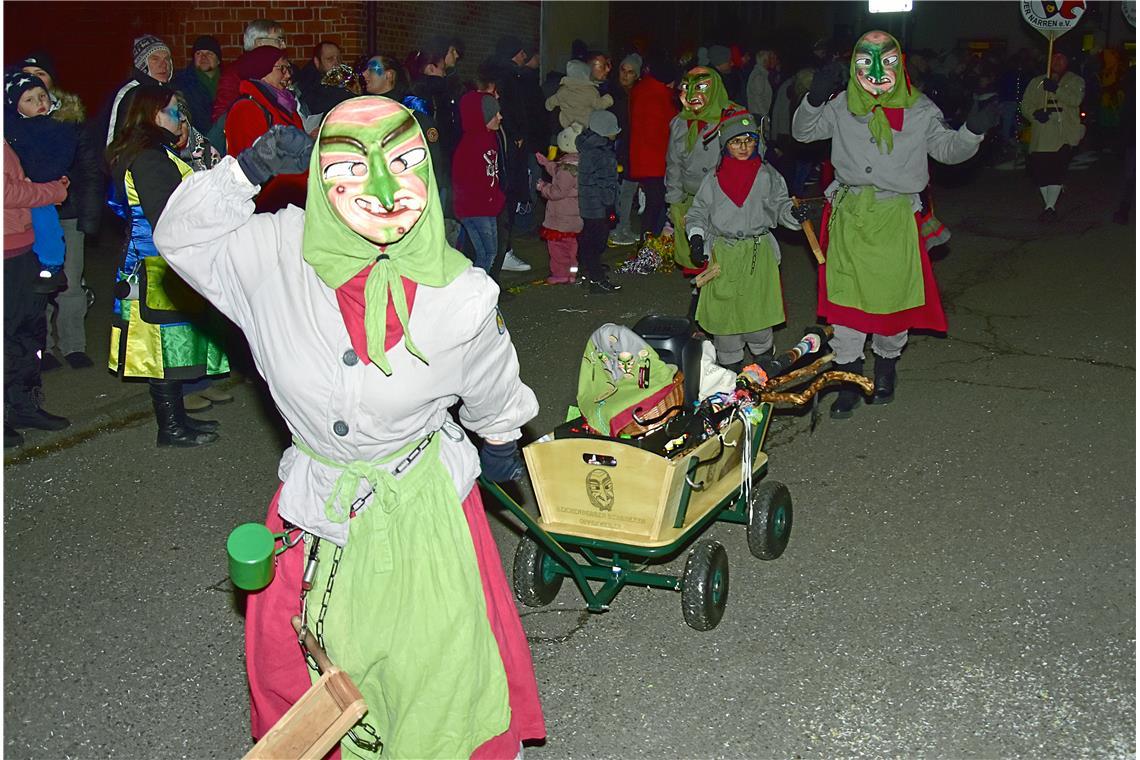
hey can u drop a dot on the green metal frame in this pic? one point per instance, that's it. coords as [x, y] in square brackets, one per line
[617, 569]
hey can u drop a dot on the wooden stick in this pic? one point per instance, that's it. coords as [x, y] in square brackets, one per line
[711, 272]
[315, 649]
[813, 242]
[1049, 58]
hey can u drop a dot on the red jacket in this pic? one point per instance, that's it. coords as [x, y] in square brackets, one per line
[20, 196]
[651, 108]
[245, 123]
[475, 179]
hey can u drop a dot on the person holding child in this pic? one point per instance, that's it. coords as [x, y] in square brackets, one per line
[730, 228]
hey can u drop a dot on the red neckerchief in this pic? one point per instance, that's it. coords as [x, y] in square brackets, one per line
[736, 177]
[350, 298]
[894, 117]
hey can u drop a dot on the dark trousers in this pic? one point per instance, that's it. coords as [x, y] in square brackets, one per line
[591, 246]
[25, 333]
[654, 217]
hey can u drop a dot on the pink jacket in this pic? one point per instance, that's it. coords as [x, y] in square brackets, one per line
[20, 195]
[561, 193]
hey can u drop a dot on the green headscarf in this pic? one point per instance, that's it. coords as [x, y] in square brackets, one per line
[337, 253]
[715, 102]
[860, 102]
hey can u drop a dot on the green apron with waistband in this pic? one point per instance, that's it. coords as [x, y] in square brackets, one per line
[677, 213]
[873, 259]
[407, 619]
[746, 295]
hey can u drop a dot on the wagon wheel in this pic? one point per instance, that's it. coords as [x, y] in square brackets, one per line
[769, 519]
[704, 589]
[536, 576]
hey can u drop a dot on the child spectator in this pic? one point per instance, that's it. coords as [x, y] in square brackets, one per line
[475, 175]
[577, 96]
[597, 194]
[46, 148]
[730, 223]
[562, 222]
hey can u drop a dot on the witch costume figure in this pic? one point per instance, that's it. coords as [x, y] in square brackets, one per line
[878, 279]
[368, 328]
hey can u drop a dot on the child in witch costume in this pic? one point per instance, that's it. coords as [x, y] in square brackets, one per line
[368, 327]
[878, 279]
[693, 151]
[731, 219]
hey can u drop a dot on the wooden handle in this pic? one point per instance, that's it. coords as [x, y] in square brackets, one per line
[315, 649]
[809, 232]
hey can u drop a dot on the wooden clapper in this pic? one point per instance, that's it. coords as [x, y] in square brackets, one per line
[319, 719]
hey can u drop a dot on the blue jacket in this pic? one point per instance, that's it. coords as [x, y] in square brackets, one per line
[597, 175]
[199, 99]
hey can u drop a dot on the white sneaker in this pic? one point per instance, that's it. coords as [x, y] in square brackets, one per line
[512, 263]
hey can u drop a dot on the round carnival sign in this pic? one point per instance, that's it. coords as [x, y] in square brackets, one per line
[1052, 17]
[1128, 7]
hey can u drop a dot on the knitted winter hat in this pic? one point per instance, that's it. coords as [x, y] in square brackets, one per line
[633, 60]
[40, 60]
[576, 69]
[260, 61]
[737, 125]
[143, 48]
[490, 108]
[604, 123]
[17, 83]
[719, 55]
[206, 42]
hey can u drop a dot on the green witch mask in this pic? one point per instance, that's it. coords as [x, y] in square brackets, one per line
[877, 62]
[697, 88]
[374, 170]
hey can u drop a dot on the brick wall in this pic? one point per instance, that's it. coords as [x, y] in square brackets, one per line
[403, 26]
[91, 41]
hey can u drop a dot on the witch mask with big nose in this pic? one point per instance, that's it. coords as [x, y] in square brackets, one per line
[374, 168]
[878, 62]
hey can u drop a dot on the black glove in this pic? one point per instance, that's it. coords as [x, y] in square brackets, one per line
[801, 213]
[501, 462]
[281, 150]
[697, 251]
[983, 116]
[1050, 85]
[826, 81]
[1041, 115]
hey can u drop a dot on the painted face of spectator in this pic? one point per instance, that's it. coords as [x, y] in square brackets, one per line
[281, 75]
[878, 62]
[170, 118]
[329, 57]
[206, 61]
[36, 71]
[159, 66]
[627, 76]
[34, 102]
[600, 68]
[377, 79]
[374, 167]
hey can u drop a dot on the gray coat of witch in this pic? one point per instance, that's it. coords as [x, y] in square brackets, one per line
[713, 215]
[857, 159]
[685, 169]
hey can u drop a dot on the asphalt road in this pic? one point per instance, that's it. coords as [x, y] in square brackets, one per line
[960, 581]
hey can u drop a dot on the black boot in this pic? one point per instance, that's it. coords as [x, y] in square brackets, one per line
[173, 430]
[848, 398]
[884, 380]
[200, 426]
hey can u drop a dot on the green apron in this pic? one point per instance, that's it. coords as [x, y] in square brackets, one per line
[745, 296]
[407, 619]
[677, 213]
[873, 259]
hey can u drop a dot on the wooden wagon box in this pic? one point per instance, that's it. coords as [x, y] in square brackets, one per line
[610, 490]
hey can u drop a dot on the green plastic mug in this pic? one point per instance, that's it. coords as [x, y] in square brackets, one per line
[251, 548]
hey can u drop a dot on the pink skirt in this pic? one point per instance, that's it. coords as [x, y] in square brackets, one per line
[278, 676]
